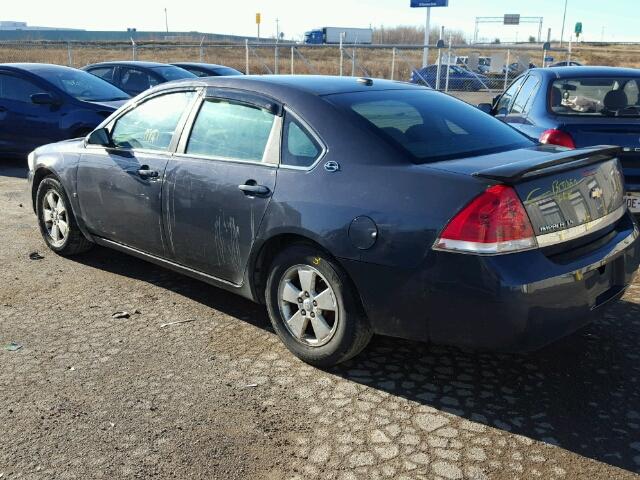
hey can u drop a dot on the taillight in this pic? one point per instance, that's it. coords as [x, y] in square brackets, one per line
[494, 222]
[557, 137]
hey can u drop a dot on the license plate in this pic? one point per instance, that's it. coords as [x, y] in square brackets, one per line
[633, 202]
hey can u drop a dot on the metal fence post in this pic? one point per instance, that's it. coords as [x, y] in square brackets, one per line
[341, 54]
[69, 54]
[292, 52]
[393, 62]
[353, 62]
[544, 58]
[202, 50]
[506, 71]
[569, 51]
[446, 84]
[133, 49]
[276, 56]
[246, 56]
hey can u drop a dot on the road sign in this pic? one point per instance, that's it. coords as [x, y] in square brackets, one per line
[512, 19]
[578, 29]
[258, 18]
[429, 3]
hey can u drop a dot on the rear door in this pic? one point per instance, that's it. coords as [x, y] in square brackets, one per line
[120, 188]
[220, 183]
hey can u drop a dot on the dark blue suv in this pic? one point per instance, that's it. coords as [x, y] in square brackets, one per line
[41, 103]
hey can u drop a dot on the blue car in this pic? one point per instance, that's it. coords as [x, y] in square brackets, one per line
[207, 69]
[136, 77]
[349, 207]
[42, 103]
[579, 107]
[459, 78]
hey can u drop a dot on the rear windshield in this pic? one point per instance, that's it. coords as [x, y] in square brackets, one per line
[431, 126]
[227, 71]
[596, 97]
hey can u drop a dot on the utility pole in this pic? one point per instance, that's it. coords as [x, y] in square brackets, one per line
[564, 17]
[166, 20]
[427, 26]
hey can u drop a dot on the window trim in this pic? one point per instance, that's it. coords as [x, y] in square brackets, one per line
[275, 135]
[132, 105]
[323, 148]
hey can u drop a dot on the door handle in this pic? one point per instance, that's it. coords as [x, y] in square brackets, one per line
[144, 172]
[252, 189]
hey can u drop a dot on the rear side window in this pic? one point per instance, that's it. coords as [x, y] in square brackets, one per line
[596, 97]
[299, 148]
[17, 89]
[134, 80]
[230, 131]
[526, 93]
[430, 126]
[152, 124]
[504, 104]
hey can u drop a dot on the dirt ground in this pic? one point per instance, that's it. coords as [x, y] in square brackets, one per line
[90, 396]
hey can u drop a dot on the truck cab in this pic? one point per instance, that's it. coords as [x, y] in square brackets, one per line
[314, 37]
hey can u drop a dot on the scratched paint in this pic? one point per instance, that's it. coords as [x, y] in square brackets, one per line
[227, 241]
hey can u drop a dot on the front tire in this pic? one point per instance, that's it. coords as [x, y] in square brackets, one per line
[58, 225]
[314, 308]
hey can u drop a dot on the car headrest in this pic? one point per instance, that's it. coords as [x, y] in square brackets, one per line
[615, 100]
[556, 97]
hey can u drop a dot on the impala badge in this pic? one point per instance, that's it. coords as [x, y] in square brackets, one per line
[596, 192]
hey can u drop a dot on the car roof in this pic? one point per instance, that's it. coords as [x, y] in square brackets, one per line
[132, 63]
[587, 71]
[200, 64]
[36, 68]
[280, 85]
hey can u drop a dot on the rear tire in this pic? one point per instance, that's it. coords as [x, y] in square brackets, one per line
[57, 223]
[314, 308]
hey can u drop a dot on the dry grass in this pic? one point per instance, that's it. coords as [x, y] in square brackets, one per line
[373, 62]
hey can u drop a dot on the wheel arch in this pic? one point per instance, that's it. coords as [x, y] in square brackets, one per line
[38, 176]
[259, 267]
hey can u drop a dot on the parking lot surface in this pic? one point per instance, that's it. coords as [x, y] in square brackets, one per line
[85, 395]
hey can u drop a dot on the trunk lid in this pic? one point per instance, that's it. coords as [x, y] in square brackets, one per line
[621, 131]
[566, 193]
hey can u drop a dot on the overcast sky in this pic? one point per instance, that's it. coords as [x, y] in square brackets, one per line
[619, 18]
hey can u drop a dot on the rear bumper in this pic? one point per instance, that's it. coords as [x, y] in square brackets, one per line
[515, 302]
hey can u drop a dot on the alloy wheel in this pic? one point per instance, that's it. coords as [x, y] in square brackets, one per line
[308, 305]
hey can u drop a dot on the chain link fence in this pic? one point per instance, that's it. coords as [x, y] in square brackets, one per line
[474, 73]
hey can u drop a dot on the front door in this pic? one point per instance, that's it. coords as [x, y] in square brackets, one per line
[24, 125]
[120, 187]
[218, 189]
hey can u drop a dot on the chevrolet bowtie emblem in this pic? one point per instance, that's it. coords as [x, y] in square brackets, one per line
[596, 192]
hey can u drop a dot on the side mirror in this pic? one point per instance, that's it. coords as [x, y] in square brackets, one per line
[485, 107]
[44, 98]
[100, 137]
[495, 99]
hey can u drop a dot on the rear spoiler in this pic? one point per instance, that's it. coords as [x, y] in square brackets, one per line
[515, 172]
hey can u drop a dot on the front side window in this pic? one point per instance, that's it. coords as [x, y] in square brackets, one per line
[430, 126]
[152, 124]
[17, 89]
[596, 97]
[299, 148]
[230, 130]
